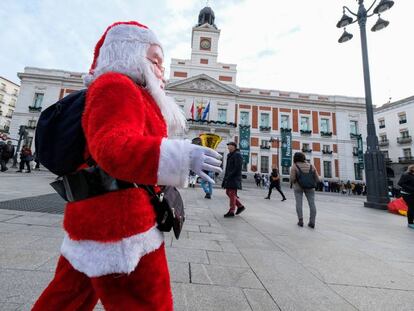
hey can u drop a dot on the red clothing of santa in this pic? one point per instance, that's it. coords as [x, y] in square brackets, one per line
[112, 250]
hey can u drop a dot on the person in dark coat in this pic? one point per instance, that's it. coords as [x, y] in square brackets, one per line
[406, 183]
[25, 158]
[232, 180]
[275, 183]
[6, 153]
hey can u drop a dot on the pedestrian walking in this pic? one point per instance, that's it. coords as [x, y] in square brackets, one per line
[25, 158]
[257, 179]
[304, 178]
[232, 180]
[207, 186]
[406, 183]
[192, 179]
[6, 153]
[275, 183]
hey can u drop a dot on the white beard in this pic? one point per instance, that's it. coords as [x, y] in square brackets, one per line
[172, 113]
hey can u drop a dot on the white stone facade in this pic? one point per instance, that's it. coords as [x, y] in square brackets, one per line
[40, 88]
[394, 124]
[9, 92]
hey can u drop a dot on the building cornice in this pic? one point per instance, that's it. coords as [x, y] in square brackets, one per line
[394, 105]
[1, 77]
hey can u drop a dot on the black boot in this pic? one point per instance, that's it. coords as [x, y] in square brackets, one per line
[300, 222]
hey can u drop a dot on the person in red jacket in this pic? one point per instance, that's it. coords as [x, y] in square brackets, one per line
[112, 250]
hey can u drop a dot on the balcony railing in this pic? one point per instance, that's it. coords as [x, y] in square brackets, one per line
[306, 150]
[406, 160]
[285, 129]
[354, 136]
[404, 140]
[327, 151]
[264, 128]
[382, 126]
[326, 134]
[264, 147]
[306, 132]
[383, 142]
[403, 121]
[35, 109]
[211, 123]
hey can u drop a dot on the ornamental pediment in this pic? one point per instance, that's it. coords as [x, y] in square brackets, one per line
[204, 84]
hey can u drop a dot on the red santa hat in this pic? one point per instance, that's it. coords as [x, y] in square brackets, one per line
[123, 31]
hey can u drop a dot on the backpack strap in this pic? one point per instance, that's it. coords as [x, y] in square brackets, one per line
[300, 171]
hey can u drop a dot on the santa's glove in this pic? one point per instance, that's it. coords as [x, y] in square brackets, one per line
[203, 158]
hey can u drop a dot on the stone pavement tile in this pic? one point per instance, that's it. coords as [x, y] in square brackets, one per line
[15, 258]
[187, 255]
[210, 229]
[16, 240]
[49, 244]
[228, 247]
[5, 217]
[368, 299]
[290, 284]
[260, 300]
[221, 275]
[194, 228]
[45, 231]
[208, 236]
[22, 286]
[196, 244]
[407, 267]
[7, 306]
[35, 220]
[335, 263]
[196, 222]
[195, 297]
[226, 259]
[179, 272]
[50, 265]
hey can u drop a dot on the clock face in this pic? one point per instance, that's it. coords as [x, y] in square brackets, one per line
[205, 44]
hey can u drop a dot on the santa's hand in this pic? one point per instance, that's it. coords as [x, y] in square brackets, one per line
[203, 158]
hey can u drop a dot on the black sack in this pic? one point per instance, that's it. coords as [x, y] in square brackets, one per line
[306, 180]
[169, 208]
[59, 141]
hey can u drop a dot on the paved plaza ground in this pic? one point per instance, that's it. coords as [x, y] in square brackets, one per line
[356, 258]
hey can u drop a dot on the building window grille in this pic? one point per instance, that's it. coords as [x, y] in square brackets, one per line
[381, 123]
[325, 125]
[264, 164]
[244, 118]
[222, 115]
[284, 121]
[38, 99]
[285, 170]
[305, 123]
[354, 127]
[327, 169]
[402, 118]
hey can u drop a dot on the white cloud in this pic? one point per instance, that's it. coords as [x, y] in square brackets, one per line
[285, 45]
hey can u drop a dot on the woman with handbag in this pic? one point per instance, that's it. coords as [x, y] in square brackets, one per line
[304, 178]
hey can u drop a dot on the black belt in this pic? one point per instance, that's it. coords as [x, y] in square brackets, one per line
[88, 183]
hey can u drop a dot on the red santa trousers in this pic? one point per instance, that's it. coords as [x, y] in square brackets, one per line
[147, 288]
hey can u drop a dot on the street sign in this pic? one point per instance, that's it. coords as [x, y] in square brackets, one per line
[245, 142]
[286, 138]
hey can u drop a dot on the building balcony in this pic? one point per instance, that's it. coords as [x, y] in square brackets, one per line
[327, 151]
[326, 134]
[406, 160]
[383, 143]
[306, 150]
[264, 128]
[285, 129]
[354, 135]
[35, 109]
[382, 126]
[403, 121]
[265, 147]
[8, 116]
[404, 140]
[305, 132]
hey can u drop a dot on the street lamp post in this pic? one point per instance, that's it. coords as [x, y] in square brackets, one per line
[375, 171]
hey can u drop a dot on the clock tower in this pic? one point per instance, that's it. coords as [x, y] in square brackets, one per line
[204, 52]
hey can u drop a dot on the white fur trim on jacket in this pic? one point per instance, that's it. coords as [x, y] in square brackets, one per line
[174, 163]
[98, 258]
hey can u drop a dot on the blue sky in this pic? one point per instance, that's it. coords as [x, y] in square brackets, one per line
[282, 45]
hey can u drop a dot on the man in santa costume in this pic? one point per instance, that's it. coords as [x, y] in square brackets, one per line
[112, 250]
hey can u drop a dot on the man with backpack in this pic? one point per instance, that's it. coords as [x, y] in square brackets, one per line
[112, 250]
[304, 178]
[25, 158]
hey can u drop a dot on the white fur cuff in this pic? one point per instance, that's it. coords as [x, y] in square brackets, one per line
[98, 258]
[174, 164]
